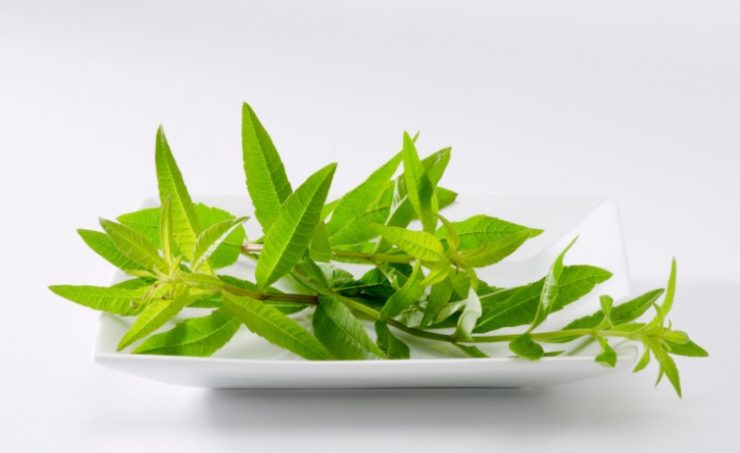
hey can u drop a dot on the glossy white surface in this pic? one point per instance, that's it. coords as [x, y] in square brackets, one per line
[635, 100]
[250, 362]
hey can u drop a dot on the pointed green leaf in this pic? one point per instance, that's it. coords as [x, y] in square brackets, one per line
[166, 231]
[146, 223]
[492, 252]
[418, 185]
[549, 293]
[689, 349]
[342, 334]
[435, 164]
[275, 327]
[197, 337]
[320, 246]
[154, 316]
[620, 314]
[667, 367]
[120, 301]
[401, 212]
[356, 201]
[526, 348]
[409, 293]
[360, 228]
[390, 344]
[185, 224]
[670, 292]
[210, 239]
[643, 362]
[472, 311]
[419, 244]
[102, 244]
[437, 272]
[229, 251]
[134, 283]
[294, 227]
[133, 246]
[606, 303]
[477, 230]
[607, 357]
[439, 296]
[445, 196]
[517, 306]
[267, 182]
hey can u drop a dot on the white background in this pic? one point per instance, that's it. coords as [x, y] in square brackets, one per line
[637, 100]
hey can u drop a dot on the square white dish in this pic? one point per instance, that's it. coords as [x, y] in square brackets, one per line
[250, 362]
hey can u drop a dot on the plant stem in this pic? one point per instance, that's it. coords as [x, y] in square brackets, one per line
[249, 248]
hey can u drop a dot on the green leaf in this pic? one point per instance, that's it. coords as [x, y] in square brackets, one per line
[134, 283]
[185, 224]
[418, 185]
[523, 346]
[445, 196]
[549, 294]
[643, 362]
[133, 246]
[210, 239]
[360, 228]
[689, 349]
[267, 182]
[472, 311]
[120, 301]
[145, 221]
[373, 284]
[670, 292]
[608, 357]
[154, 316]
[517, 306]
[620, 314]
[419, 244]
[667, 366]
[401, 212]
[496, 250]
[320, 246]
[294, 227]
[343, 335]
[435, 164]
[102, 244]
[606, 303]
[477, 230]
[409, 293]
[166, 232]
[198, 337]
[437, 272]
[390, 344]
[439, 296]
[355, 202]
[275, 327]
[230, 249]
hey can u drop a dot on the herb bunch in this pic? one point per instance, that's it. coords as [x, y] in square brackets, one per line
[422, 282]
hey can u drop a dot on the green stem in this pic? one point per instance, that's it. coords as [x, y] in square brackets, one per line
[556, 335]
[250, 248]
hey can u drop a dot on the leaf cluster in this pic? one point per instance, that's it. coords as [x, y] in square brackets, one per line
[420, 274]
